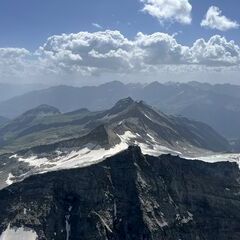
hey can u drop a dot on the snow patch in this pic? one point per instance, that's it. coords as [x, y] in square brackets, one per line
[88, 155]
[68, 227]
[150, 149]
[34, 161]
[9, 180]
[147, 117]
[187, 219]
[227, 157]
[156, 150]
[18, 234]
[151, 137]
[91, 154]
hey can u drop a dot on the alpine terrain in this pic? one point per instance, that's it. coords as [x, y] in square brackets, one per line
[119, 120]
[100, 135]
[128, 196]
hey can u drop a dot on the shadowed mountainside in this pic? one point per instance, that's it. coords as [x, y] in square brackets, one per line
[128, 196]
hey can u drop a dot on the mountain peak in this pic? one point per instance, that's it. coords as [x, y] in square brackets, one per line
[125, 101]
[43, 109]
[135, 150]
[112, 83]
[122, 105]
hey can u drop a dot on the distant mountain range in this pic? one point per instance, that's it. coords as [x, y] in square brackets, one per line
[128, 196]
[8, 91]
[43, 139]
[45, 124]
[216, 105]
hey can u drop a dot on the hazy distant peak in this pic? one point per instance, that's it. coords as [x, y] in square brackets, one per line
[43, 109]
[121, 105]
[155, 83]
[125, 101]
[112, 83]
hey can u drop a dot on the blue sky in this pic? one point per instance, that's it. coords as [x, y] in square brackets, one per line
[27, 25]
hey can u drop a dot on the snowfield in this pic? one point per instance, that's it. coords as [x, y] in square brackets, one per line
[92, 154]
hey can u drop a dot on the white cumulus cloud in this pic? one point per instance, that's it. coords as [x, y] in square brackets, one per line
[105, 51]
[160, 48]
[112, 51]
[86, 54]
[13, 62]
[215, 20]
[217, 51]
[169, 10]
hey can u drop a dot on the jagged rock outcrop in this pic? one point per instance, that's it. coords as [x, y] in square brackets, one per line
[129, 196]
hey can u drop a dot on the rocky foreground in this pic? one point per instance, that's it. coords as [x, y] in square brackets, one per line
[128, 196]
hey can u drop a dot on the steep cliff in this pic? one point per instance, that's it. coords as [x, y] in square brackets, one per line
[128, 196]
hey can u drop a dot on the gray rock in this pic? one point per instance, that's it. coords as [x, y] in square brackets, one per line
[129, 196]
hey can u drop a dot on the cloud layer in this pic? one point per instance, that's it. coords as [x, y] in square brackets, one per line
[97, 53]
[215, 20]
[169, 10]
[112, 51]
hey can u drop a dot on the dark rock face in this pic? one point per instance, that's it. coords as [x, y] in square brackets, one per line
[129, 196]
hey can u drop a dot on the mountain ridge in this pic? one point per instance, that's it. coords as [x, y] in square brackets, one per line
[136, 114]
[133, 197]
[106, 133]
[199, 101]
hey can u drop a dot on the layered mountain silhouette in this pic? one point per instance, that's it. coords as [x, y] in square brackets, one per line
[40, 141]
[45, 124]
[10, 90]
[216, 105]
